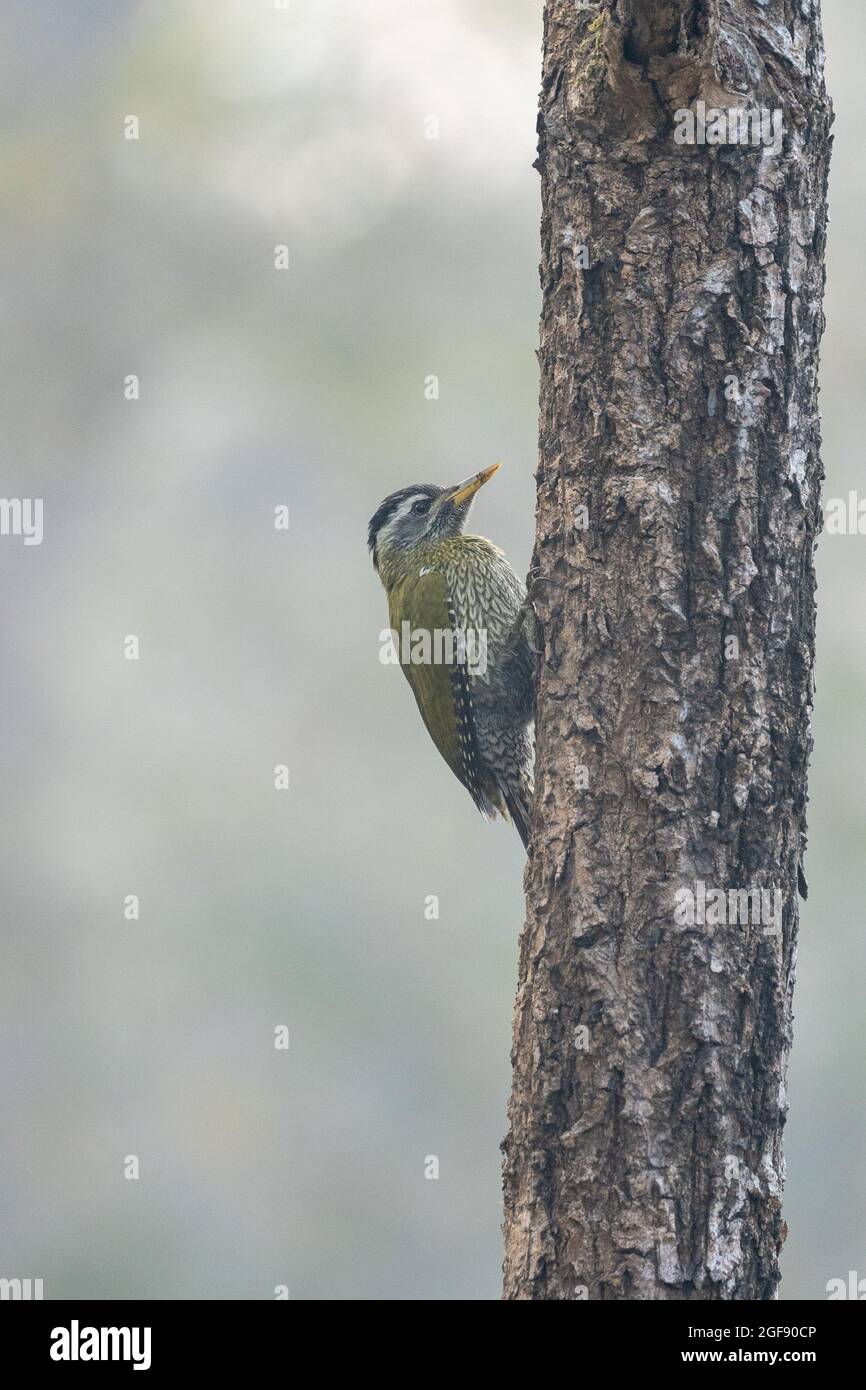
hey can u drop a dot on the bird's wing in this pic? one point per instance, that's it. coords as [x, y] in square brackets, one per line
[442, 691]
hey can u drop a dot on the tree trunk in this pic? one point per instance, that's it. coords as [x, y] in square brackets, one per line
[682, 288]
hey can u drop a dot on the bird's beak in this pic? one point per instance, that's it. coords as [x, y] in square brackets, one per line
[463, 491]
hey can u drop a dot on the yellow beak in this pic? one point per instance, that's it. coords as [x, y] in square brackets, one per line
[471, 485]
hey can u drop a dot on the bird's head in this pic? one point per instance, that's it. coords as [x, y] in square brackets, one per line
[420, 514]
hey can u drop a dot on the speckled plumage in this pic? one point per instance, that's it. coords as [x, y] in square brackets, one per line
[478, 713]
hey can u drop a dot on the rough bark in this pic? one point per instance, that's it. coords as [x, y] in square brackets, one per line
[679, 407]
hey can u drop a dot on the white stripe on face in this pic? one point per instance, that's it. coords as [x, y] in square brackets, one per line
[403, 511]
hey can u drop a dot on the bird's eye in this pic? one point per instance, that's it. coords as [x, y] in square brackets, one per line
[420, 508]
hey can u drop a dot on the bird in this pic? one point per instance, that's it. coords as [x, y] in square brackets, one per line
[477, 706]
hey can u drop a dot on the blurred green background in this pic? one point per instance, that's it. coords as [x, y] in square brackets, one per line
[305, 126]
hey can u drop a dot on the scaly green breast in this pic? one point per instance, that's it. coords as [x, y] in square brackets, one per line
[441, 690]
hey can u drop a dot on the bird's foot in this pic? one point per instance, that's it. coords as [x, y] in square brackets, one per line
[527, 622]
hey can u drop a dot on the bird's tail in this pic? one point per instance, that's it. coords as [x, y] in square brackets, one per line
[519, 802]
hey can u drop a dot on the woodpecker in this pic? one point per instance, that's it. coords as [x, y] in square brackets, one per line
[475, 693]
